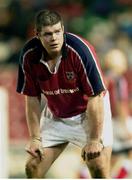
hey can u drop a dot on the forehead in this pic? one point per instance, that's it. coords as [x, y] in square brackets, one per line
[52, 28]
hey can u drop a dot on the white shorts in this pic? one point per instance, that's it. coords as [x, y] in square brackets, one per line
[55, 131]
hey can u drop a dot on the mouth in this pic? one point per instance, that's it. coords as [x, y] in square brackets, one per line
[54, 45]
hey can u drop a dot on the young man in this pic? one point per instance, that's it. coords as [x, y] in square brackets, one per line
[64, 67]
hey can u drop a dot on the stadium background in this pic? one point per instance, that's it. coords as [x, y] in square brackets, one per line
[106, 24]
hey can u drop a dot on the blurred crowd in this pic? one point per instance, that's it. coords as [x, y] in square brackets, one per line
[107, 25]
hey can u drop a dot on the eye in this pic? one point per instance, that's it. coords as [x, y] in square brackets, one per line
[47, 34]
[57, 31]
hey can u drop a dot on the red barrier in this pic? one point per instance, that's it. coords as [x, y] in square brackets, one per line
[17, 121]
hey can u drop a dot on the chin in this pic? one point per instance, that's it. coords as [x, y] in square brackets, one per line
[55, 50]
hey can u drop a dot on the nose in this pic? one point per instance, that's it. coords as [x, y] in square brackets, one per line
[53, 37]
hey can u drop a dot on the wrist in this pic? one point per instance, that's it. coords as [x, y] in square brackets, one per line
[95, 140]
[36, 138]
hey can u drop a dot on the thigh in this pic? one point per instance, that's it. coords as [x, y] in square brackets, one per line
[100, 166]
[40, 167]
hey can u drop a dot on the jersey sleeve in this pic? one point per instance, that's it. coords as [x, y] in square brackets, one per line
[90, 73]
[26, 82]
[87, 66]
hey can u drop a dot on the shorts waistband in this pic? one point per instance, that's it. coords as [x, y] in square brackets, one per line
[74, 117]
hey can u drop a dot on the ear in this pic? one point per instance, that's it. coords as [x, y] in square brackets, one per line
[36, 33]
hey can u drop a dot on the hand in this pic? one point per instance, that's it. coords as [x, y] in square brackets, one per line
[35, 148]
[92, 150]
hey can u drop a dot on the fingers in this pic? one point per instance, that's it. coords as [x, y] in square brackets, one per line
[39, 153]
[91, 151]
[32, 152]
[83, 154]
[34, 148]
[92, 155]
[35, 152]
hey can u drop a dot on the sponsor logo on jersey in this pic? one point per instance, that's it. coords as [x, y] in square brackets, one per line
[61, 91]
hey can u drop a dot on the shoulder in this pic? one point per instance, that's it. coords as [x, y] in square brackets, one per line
[77, 41]
[32, 44]
[78, 44]
[31, 49]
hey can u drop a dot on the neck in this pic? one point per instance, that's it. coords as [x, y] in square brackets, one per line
[53, 56]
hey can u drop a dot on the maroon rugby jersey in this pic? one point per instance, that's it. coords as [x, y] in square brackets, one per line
[77, 75]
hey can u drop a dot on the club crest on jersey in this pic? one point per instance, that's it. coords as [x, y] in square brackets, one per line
[70, 75]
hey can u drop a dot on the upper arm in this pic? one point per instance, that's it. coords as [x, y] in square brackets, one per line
[95, 106]
[32, 100]
[96, 100]
[33, 104]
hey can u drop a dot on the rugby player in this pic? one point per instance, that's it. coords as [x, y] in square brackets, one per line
[64, 68]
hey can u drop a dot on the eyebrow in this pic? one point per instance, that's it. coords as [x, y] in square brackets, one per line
[50, 32]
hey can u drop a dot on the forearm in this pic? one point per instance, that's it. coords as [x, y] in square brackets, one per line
[95, 115]
[33, 114]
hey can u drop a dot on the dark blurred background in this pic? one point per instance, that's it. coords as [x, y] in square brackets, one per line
[107, 25]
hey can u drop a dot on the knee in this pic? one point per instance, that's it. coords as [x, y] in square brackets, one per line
[100, 166]
[30, 168]
[97, 172]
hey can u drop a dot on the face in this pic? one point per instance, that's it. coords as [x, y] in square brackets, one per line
[52, 38]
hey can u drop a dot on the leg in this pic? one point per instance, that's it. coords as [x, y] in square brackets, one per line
[36, 168]
[100, 166]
